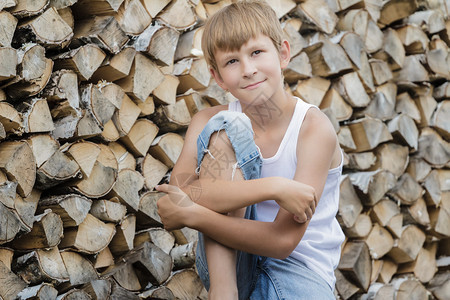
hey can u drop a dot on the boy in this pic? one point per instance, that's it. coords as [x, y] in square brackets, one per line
[268, 145]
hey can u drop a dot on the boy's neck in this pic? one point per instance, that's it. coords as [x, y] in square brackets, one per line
[271, 113]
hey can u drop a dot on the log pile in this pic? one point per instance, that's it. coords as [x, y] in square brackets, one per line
[95, 96]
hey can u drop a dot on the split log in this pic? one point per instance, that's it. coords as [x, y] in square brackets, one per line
[154, 7]
[27, 9]
[403, 129]
[371, 186]
[379, 241]
[143, 78]
[433, 148]
[426, 105]
[10, 118]
[361, 228]
[361, 161]
[355, 264]
[327, 59]
[36, 116]
[412, 71]
[115, 67]
[416, 214]
[127, 187]
[6, 256]
[127, 277]
[312, 90]
[178, 14]
[85, 8]
[140, 137]
[147, 216]
[11, 284]
[317, 15]
[161, 292]
[424, 266]
[407, 247]
[44, 291]
[153, 171]
[185, 284]
[72, 208]
[74, 294]
[432, 187]
[159, 42]
[440, 218]
[183, 256]
[80, 269]
[26, 208]
[58, 168]
[382, 105]
[407, 191]
[147, 108]
[8, 192]
[17, 160]
[104, 31]
[158, 236]
[409, 288]
[418, 168]
[123, 240]
[396, 10]
[384, 211]
[298, 68]
[47, 232]
[349, 205]
[85, 154]
[93, 188]
[103, 259]
[167, 148]
[172, 117]
[9, 60]
[392, 157]
[296, 41]
[166, 92]
[346, 139]
[344, 287]
[36, 29]
[41, 266]
[189, 44]
[84, 60]
[86, 240]
[413, 38]
[437, 62]
[352, 90]
[379, 291]
[125, 117]
[431, 20]
[118, 293]
[368, 133]
[192, 73]
[438, 120]
[43, 147]
[133, 17]
[442, 91]
[439, 285]
[8, 22]
[10, 224]
[395, 225]
[98, 289]
[194, 101]
[108, 210]
[215, 95]
[63, 85]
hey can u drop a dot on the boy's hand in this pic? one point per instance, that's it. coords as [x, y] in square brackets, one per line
[297, 198]
[172, 207]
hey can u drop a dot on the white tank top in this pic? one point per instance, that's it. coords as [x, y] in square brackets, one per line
[320, 247]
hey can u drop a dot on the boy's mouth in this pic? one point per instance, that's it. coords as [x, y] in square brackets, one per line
[253, 85]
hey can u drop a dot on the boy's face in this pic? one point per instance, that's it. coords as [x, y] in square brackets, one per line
[252, 73]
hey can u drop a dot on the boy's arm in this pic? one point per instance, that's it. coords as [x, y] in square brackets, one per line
[279, 238]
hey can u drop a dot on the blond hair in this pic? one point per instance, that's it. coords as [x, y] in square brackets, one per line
[234, 25]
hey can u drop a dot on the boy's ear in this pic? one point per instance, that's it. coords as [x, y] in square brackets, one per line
[215, 74]
[285, 54]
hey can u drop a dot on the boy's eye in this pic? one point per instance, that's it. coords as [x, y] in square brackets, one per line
[231, 61]
[256, 52]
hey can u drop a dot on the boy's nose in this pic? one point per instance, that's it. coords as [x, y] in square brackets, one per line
[248, 68]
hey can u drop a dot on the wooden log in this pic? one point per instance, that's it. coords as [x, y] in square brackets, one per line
[86, 240]
[108, 210]
[184, 255]
[26, 9]
[158, 236]
[63, 85]
[403, 129]
[194, 101]
[147, 215]
[355, 264]
[361, 161]
[407, 191]
[85, 154]
[185, 284]
[432, 186]
[172, 117]
[192, 73]
[215, 95]
[424, 266]
[135, 142]
[391, 157]
[352, 90]
[153, 171]
[296, 40]
[123, 240]
[444, 175]
[368, 133]
[439, 285]
[11, 284]
[372, 185]
[143, 78]
[84, 8]
[159, 42]
[379, 291]
[72, 208]
[185, 235]
[396, 10]
[189, 44]
[161, 292]
[393, 51]
[11, 224]
[436, 60]
[47, 232]
[433, 148]
[98, 289]
[99, 102]
[379, 241]
[327, 59]
[80, 269]
[43, 147]
[115, 67]
[9, 60]
[58, 168]
[438, 119]
[384, 211]
[426, 105]
[154, 7]
[127, 277]
[298, 68]
[37, 29]
[344, 287]
[44, 291]
[17, 160]
[312, 90]
[36, 115]
[382, 105]
[361, 228]
[26, 208]
[84, 60]
[178, 14]
[407, 247]
[349, 205]
[41, 265]
[346, 139]
[11, 119]
[104, 31]
[103, 259]
[93, 188]
[8, 22]
[412, 71]
[440, 218]
[166, 92]
[418, 168]
[431, 20]
[413, 38]
[167, 148]
[442, 91]
[408, 287]
[117, 292]
[133, 17]
[416, 214]
[317, 15]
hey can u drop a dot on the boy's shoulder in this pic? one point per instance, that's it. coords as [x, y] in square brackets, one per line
[200, 119]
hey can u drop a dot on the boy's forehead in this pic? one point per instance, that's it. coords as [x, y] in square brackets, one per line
[260, 40]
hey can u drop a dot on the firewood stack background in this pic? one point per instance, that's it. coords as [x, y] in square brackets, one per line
[95, 96]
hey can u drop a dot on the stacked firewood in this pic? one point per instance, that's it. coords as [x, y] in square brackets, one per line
[95, 97]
